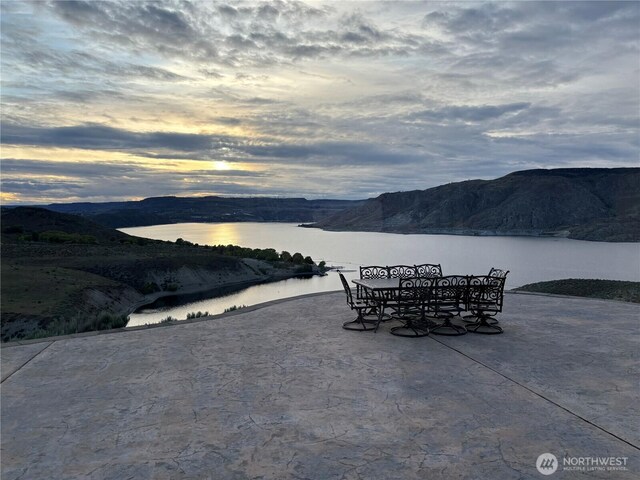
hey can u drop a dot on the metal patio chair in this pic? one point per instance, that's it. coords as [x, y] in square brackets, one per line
[484, 301]
[447, 299]
[362, 307]
[497, 273]
[371, 271]
[411, 305]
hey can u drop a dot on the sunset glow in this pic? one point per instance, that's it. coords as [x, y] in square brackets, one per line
[119, 100]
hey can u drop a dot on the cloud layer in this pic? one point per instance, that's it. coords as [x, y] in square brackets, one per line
[114, 100]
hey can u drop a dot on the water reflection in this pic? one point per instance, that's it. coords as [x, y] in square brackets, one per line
[222, 234]
[179, 307]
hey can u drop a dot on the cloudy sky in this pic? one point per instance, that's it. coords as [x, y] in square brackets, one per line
[126, 100]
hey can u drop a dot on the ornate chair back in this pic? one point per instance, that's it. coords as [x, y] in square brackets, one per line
[496, 272]
[374, 271]
[428, 270]
[415, 291]
[448, 294]
[486, 294]
[402, 271]
[371, 271]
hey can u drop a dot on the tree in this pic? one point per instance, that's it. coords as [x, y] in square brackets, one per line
[285, 256]
[297, 258]
[268, 254]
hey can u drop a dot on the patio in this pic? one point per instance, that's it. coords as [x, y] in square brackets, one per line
[282, 391]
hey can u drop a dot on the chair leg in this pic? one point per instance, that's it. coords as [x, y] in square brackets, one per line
[448, 328]
[474, 319]
[409, 329]
[483, 325]
[359, 324]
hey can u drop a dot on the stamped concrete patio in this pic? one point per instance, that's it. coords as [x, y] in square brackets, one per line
[281, 391]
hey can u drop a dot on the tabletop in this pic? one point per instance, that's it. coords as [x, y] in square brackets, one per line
[378, 283]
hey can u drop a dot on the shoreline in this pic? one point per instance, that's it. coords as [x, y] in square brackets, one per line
[204, 291]
[560, 234]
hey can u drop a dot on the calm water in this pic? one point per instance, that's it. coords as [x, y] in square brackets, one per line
[529, 259]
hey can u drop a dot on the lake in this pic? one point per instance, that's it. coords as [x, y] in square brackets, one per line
[529, 259]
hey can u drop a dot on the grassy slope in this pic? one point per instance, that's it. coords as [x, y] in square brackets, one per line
[45, 291]
[44, 282]
[47, 287]
[605, 289]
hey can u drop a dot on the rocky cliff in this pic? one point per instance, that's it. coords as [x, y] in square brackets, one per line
[582, 203]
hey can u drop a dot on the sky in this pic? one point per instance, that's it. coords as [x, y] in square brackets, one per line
[125, 100]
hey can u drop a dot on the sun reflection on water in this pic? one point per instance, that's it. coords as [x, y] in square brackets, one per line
[223, 234]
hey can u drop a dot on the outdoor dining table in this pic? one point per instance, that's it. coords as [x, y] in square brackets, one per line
[482, 296]
[378, 284]
[383, 291]
[444, 302]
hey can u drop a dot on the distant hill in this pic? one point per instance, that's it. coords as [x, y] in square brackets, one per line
[582, 203]
[162, 210]
[22, 221]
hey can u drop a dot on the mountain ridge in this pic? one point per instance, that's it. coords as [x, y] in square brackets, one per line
[171, 209]
[595, 204]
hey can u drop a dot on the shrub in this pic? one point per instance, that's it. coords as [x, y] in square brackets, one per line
[107, 321]
[80, 323]
[13, 229]
[54, 236]
[266, 254]
[233, 308]
[306, 268]
[150, 287]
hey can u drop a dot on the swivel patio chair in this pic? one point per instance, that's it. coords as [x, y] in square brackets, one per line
[447, 299]
[428, 270]
[497, 273]
[411, 305]
[362, 307]
[400, 272]
[484, 301]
